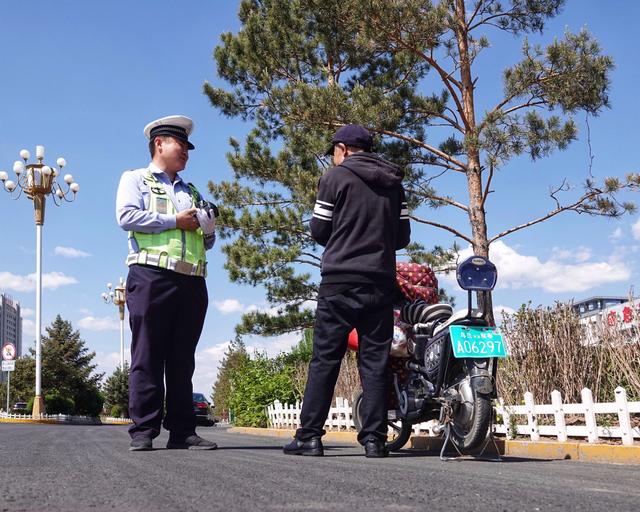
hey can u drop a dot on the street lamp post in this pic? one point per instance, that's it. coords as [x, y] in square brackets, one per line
[117, 296]
[37, 181]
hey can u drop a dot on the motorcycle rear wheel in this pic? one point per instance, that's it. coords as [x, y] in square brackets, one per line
[400, 429]
[471, 418]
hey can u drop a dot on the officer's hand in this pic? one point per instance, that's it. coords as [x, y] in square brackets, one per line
[187, 220]
[207, 221]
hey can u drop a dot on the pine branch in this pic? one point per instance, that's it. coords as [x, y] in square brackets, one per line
[442, 226]
[585, 198]
[446, 200]
[460, 167]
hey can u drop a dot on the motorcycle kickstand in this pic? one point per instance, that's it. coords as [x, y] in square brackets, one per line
[490, 439]
[447, 440]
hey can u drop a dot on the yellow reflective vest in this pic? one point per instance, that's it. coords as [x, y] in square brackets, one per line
[174, 249]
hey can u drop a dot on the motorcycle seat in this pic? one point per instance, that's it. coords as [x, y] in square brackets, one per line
[458, 315]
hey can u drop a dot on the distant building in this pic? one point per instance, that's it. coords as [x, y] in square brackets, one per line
[594, 308]
[10, 326]
[620, 313]
[10, 323]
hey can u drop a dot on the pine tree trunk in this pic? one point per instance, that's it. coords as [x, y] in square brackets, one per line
[474, 173]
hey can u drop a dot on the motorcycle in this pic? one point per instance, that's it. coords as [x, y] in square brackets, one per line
[450, 373]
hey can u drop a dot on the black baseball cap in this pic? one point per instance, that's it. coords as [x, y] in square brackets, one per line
[352, 135]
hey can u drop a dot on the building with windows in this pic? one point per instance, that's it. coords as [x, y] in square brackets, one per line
[10, 323]
[594, 308]
[621, 313]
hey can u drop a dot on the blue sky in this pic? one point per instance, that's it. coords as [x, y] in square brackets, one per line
[83, 78]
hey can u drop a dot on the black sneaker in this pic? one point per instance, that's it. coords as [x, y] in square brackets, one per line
[375, 449]
[141, 444]
[193, 442]
[312, 447]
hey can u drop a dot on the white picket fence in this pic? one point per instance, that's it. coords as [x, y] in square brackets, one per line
[521, 420]
[340, 417]
[593, 427]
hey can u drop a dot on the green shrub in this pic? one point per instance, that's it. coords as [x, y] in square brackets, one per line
[255, 385]
[55, 403]
[116, 412]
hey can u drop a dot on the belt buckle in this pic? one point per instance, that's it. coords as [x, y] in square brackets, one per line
[182, 267]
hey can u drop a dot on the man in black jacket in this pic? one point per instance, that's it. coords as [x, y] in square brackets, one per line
[361, 219]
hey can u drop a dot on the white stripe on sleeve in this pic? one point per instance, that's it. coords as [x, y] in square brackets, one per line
[322, 212]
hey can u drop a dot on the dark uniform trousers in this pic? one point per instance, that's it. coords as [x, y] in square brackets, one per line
[166, 314]
[370, 310]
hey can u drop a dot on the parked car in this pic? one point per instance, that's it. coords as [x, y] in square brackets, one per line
[20, 408]
[203, 410]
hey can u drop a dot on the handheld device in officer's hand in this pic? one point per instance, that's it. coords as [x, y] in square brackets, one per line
[208, 206]
[206, 214]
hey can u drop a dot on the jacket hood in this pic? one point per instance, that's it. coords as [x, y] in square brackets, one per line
[374, 169]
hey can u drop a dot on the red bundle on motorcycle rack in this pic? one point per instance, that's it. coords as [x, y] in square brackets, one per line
[417, 281]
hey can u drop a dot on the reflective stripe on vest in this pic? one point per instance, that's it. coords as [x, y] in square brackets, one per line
[174, 249]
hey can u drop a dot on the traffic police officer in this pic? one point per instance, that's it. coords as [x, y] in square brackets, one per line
[170, 227]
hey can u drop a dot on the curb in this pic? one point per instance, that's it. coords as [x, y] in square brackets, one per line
[343, 437]
[58, 422]
[547, 450]
[27, 420]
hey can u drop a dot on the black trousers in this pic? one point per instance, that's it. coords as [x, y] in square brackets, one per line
[369, 309]
[166, 314]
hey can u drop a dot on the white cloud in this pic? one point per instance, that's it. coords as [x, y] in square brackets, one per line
[52, 281]
[207, 362]
[105, 323]
[28, 328]
[27, 312]
[617, 234]
[274, 346]
[635, 229]
[70, 252]
[107, 362]
[518, 271]
[581, 254]
[229, 306]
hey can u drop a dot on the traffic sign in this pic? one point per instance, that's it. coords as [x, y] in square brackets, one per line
[8, 352]
[8, 366]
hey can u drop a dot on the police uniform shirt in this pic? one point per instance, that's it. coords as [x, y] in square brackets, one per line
[132, 204]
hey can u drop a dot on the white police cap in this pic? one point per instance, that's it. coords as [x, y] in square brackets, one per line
[179, 127]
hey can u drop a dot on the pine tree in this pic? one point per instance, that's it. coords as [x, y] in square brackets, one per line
[299, 69]
[22, 382]
[235, 358]
[67, 372]
[116, 392]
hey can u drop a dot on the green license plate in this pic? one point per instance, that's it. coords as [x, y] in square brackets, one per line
[469, 341]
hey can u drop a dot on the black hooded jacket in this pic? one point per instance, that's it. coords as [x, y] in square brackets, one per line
[361, 218]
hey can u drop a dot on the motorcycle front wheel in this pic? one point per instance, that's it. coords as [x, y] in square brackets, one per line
[471, 418]
[399, 430]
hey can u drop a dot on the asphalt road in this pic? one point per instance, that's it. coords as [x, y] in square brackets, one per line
[69, 468]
